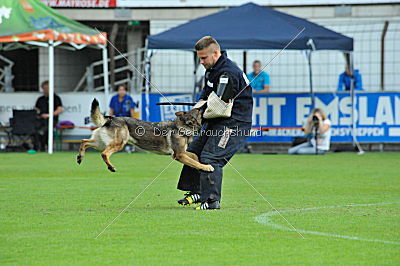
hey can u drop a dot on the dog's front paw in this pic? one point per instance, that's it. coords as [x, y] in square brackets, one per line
[79, 159]
[208, 168]
[112, 169]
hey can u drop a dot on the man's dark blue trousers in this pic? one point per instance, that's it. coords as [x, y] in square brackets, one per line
[216, 144]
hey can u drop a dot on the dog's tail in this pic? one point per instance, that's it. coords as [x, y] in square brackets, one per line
[97, 117]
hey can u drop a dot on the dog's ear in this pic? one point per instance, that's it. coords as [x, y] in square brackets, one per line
[180, 113]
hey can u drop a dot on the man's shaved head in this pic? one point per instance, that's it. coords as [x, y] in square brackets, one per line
[208, 51]
[207, 42]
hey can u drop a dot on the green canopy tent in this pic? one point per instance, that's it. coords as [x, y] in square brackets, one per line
[25, 23]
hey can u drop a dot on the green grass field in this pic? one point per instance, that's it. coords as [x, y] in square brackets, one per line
[52, 209]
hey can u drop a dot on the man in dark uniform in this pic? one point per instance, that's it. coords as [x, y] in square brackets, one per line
[220, 137]
[42, 107]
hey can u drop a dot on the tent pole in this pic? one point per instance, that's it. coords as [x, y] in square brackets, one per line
[244, 62]
[352, 96]
[312, 95]
[113, 36]
[194, 76]
[51, 97]
[348, 56]
[105, 77]
[385, 27]
[148, 77]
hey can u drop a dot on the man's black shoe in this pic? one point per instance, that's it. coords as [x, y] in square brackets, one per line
[214, 205]
[190, 198]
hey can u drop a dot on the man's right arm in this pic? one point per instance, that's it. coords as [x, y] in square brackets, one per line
[358, 82]
[308, 125]
[266, 83]
[111, 106]
[265, 90]
[37, 107]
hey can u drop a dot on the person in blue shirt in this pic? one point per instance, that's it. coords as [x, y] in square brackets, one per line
[261, 83]
[121, 104]
[346, 78]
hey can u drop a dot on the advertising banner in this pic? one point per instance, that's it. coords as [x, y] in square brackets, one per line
[377, 115]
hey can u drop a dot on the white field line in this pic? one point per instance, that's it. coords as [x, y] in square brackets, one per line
[265, 219]
[270, 204]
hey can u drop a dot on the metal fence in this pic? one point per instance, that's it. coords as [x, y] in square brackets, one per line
[172, 70]
[129, 70]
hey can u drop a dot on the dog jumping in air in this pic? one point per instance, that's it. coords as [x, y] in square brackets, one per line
[166, 138]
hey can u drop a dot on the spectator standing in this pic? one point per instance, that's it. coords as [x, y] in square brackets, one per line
[121, 104]
[42, 107]
[260, 84]
[346, 78]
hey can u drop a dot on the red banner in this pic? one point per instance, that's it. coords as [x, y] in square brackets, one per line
[80, 3]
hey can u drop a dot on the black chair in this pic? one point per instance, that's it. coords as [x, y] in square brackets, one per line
[23, 129]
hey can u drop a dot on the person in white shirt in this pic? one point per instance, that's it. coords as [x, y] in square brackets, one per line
[323, 125]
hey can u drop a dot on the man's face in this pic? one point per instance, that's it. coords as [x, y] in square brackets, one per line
[121, 91]
[208, 56]
[45, 88]
[256, 68]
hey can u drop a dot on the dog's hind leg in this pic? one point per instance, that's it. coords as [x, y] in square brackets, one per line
[114, 146]
[85, 143]
[121, 137]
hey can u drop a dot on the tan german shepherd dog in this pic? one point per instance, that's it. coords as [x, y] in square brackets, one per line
[167, 138]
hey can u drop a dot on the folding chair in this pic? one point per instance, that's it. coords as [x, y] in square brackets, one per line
[24, 127]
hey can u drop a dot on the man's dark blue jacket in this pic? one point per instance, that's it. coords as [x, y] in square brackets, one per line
[238, 83]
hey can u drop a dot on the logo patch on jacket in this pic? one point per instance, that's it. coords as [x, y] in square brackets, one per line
[223, 80]
[224, 139]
